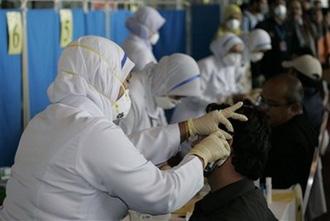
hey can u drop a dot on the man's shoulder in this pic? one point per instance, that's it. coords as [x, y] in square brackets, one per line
[251, 206]
[300, 124]
[296, 132]
[297, 124]
[228, 203]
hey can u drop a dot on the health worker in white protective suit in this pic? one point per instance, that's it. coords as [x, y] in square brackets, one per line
[258, 42]
[160, 86]
[143, 26]
[157, 87]
[219, 77]
[74, 163]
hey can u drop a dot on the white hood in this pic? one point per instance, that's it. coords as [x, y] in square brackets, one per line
[92, 67]
[222, 45]
[259, 40]
[177, 74]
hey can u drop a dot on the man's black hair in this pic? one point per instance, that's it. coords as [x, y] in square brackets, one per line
[251, 141]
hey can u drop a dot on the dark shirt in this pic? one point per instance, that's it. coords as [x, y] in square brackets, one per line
[271, 64]
[290, 157]
[313, 106]
[300, 37]
[313, 100]
[237, 201]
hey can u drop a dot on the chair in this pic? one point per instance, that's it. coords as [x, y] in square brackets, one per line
[299, 202]
[314, 203]
[324, 141]
[287, 204]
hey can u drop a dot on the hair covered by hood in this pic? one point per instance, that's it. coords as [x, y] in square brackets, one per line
[222, 45]
[177, 74]
[92, 67]
[144, 22]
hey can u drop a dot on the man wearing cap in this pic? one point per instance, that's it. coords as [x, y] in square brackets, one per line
[309, 71]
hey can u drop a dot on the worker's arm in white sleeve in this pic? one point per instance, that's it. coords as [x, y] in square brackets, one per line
[111, 163]
[157, 144]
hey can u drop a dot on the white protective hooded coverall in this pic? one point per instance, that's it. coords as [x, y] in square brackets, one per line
[258, 42]
[145, 22]
[218, 79]
[74, 163]
[176, 75]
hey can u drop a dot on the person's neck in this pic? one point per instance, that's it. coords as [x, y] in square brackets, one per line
[223, 176]
[288, 120]
[253, 10]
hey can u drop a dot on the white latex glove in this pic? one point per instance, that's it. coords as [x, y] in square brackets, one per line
[212, 148]
[208, 123]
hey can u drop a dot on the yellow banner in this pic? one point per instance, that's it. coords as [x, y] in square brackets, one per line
[15, 32]
[66, 27]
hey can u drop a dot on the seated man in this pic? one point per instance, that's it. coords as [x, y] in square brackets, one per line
[309, 71]
[293, 137]
[233, 195]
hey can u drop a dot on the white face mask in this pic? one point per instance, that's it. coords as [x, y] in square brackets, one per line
[233, 24]
[299, 21]
[256, 56]
[154, 38]
[232, 59]
[121, 107]
[280, 11]
[166, 102]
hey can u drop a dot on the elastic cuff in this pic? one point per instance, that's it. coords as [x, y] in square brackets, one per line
[190, 127]
[204, 161]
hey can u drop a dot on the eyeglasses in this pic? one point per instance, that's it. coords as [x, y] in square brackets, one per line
[263, 102]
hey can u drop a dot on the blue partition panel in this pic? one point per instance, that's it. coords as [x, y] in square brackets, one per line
[203, 28]
[118, 29]
[10, 98]
[172, 34]
[95, 23]
[78, 23]
[43, 47]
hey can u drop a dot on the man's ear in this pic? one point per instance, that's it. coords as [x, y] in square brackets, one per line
[295, 109]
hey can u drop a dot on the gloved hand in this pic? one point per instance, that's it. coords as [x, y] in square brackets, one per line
[208, 123]
[212, 148]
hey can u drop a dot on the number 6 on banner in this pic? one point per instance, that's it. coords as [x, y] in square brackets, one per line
[66, 27]
[15, 32]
